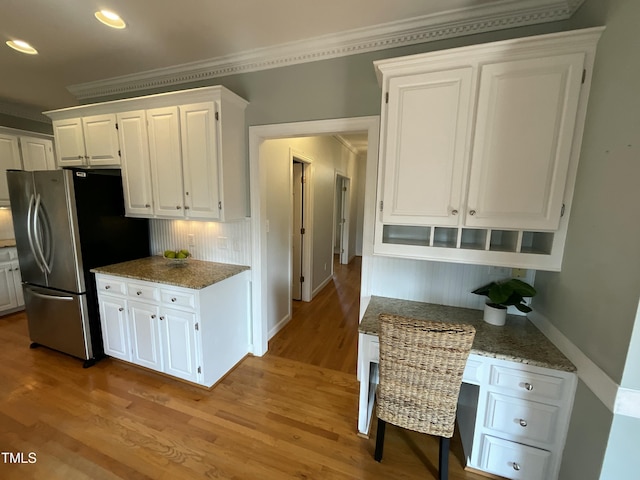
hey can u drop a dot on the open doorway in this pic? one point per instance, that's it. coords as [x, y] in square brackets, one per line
[270, 281]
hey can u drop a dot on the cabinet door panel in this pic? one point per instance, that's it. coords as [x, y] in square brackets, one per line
[136, 168]
[145, 335]
[426, 140]
[37, 153]
[7, 289]
[166, 164]
[200, 160]
[115, 331]
[179, 338]
[17, 283]
[101, 140]
[522, 145]
[9, 159]
[69, 142]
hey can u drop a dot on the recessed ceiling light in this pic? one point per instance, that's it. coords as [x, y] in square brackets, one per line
[110, 19]
[23, 47]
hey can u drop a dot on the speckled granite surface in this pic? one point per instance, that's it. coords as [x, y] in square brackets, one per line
[517, 341]
[7, 242]
[195, 274]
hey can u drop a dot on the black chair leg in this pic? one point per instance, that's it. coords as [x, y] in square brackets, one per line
[379, 440]
[443, 459]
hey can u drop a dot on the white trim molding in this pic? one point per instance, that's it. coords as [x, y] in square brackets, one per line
[619, 400]
[487, 17]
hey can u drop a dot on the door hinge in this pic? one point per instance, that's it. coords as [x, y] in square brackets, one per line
[386, 97]
[562, 211]
[381, 204]
[117, 126]
[301, 279]
[302, 230]
[119, 153]
[199, 369]
[344, 189]
[584, 74]
[217, 116]
[197, 326]
[219, 205]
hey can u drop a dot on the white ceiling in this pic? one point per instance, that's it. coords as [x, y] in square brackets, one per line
[76, 50]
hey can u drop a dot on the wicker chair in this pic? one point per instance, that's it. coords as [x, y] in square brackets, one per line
[421, 367]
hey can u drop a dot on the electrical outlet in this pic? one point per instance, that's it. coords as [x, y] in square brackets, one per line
[518, 272]
[223, 243]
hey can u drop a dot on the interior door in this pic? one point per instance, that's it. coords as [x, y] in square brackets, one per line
[297, 231]
[344, 220]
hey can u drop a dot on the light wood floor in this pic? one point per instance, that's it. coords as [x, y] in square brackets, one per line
[290, 414]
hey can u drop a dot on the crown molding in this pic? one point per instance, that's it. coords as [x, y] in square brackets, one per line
[455, 23]
[21, 111]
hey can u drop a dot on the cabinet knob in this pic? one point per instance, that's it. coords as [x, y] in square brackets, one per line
[80, 157]
[516, 466]
[86, 157]
[523, 422]
[120, 309]
[178, 207]
[454, 212]
[107, 287]
[186, 193]
[146, 205]
[528, 386]
[173, 299]
[161, 317]
[472, 212]
[153, 316]
[138, 292]
[186, 207]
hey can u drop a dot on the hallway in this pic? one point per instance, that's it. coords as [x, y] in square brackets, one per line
[324, 332]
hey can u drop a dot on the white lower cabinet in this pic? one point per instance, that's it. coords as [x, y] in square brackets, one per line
[194, 335]
[11, 295]
[520, 419]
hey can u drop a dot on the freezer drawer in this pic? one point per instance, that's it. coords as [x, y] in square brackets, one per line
[58, 320]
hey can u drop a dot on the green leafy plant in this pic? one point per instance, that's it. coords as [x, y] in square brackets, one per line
[507, 292]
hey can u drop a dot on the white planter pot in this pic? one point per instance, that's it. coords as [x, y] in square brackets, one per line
[495, 316]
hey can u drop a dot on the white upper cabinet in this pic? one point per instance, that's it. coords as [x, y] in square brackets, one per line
[522, 144]
[37, 153]
[479, 150]
[134, 148]
[200, 160]
[425, 151]
[87, 141]
[166, 164]
[9, 159]
[183, 153]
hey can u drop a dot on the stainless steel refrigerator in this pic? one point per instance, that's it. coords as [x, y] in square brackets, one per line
[67, 222]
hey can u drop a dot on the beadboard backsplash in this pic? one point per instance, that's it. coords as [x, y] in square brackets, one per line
[436, 282]
[215, 242]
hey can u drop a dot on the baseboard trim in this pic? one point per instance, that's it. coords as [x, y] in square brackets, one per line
[619, 400]
[279, 326]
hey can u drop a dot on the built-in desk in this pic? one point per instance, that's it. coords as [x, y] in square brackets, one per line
[516, 399]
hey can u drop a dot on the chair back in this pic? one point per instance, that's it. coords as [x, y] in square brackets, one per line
[421, 367]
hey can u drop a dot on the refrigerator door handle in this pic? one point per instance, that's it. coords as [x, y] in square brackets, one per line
[65, 298]
[36, 218]
[30, 227]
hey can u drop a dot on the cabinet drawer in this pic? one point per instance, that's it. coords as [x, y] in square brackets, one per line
[523, 420]
[527, 383]
[141, 291]
[111, 286]
[513, 460]
[178, 299]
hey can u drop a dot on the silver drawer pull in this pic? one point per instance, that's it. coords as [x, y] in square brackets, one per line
[138, 292]
[523, 422]
[174, 299]
[516, 466]
[107, 287]
[528, 386]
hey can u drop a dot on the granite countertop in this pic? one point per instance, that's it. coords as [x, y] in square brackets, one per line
[518, 340]
[195, 274]
[7, 242]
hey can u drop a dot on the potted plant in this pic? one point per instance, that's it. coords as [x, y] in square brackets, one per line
[501, 295]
